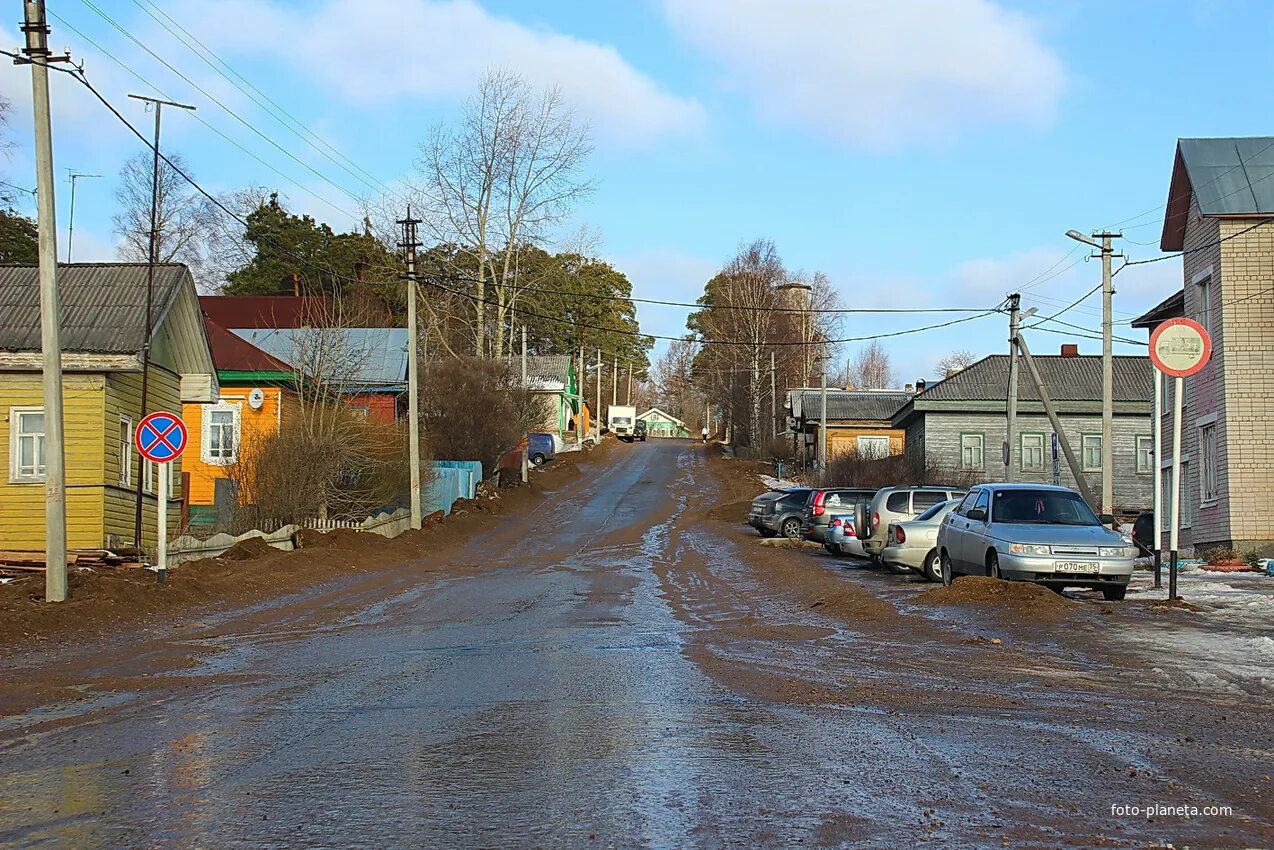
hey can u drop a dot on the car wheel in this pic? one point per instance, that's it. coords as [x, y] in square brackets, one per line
[1114, 594]
[832, 548]
[792, 529]
[931, 569]
[537, 459]
[944, 566]
[993, 566]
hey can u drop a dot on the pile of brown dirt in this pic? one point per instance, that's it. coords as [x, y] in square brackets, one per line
[1021, 596]
[349, 539]
[732, 512]
[248, 549]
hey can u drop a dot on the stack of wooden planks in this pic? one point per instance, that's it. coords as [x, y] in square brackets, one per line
[25, 561]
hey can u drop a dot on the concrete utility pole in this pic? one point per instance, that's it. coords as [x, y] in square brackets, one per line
[413, 367]
[579, 389]
[1106, 252]
[1076, 469]
[599, 394]
[70, 229]
[628, 399]
[37, 54]
[151, 260]
[614, 383]
[526, 463]
[822, 419]
[774, 398]
[1010, 431]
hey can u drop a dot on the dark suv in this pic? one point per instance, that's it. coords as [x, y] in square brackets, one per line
[779, 512]
[825, 502]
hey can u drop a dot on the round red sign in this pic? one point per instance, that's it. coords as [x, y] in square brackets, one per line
[1180, 347]
[160, 437]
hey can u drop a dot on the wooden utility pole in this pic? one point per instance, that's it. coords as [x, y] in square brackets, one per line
[413, 367]
[37, 55]
[1076, 469]
[614, 383]
[774, 398]
[1010, 431]
[629, 398]
[599, 394]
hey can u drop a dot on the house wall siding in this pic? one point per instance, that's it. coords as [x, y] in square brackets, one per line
[123, 395]
[1133, 491]
[843, 439]
[279, 406]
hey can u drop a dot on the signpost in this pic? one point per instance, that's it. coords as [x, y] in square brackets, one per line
[1179, 348]
[161, 438]
[1057, 463]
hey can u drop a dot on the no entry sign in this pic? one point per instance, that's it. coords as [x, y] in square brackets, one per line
[161, 437]
[1180, 347]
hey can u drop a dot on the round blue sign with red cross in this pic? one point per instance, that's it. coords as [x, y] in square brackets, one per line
[161, 437]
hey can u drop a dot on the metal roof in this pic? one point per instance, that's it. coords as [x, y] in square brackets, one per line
[355, 357]
[233, 353]
[1067, 379]
[544, 368]
[853, 405]
[267, 311]
[1227, 176]
[103, 305]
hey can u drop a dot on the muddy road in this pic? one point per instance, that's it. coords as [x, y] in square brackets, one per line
[622, 667]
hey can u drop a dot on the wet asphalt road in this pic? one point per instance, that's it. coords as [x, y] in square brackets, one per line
[564, 695]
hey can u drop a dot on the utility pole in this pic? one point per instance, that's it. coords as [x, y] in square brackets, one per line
[70, 230]
[1010, 431]
[413, 366]
[599, 394]
[822, 419]
[526, 463]
[774, 398]
[37, 54]
[614, 383]
[152, 259]
[1076, 469]
[628, 399]
[580, 430]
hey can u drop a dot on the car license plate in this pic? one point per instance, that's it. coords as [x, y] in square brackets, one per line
[1078, 567]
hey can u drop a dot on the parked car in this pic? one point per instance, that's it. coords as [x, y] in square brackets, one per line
[894, 504]
[1034, 532]
[639, 430]
[841, 539]
[825, 502]
[540, 448]
[912, 544]
[779, 512]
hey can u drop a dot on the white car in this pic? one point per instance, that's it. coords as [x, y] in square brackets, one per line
[912, 544]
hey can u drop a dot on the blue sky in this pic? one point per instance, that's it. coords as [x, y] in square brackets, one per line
[920, 153]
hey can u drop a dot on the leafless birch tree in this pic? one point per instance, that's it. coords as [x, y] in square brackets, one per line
[183, 220]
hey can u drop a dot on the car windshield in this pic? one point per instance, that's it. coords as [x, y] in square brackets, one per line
[941, 507]
[623, 420]
[1042, 507]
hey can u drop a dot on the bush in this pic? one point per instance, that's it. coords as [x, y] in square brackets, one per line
[852, 470]
[473, 408]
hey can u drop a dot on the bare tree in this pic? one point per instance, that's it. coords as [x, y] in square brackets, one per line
[674, 381]
[184, 216]
[956, 361]
[871, 368]
[498, 181]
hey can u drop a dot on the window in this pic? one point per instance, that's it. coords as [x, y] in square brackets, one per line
[1208, 463]
[1091, 459]
[26, 444]
[983, 502]
[897, 502]
[1145, 454]
[966, 503]
[1184, 507]
[924, 499]
[1032, 452]
[125, 451]
[1169, 394]
[971, 454]
[220, 434]
[873, 448]
[148, 475]
[359, 410]
[1204, 291]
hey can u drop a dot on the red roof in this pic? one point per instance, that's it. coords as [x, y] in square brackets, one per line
[232, 353]
[266, 311]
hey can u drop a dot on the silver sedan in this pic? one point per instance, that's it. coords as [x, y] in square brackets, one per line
[913, 544]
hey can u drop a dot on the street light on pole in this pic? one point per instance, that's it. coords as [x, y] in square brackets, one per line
[1106, 253]
[70, 229]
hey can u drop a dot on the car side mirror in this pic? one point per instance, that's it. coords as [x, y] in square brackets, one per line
[1106, 519]
[976, 514]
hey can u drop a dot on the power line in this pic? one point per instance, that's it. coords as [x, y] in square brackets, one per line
[1068, 307]
[1198, 248]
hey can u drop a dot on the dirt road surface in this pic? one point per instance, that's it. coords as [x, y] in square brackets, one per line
[625, 666]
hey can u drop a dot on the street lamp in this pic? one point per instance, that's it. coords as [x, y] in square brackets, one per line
[1079, 237]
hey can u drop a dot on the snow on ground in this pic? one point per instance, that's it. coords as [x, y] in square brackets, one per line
[779, 483]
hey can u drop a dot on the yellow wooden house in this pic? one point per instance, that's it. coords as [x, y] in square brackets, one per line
[102, 331]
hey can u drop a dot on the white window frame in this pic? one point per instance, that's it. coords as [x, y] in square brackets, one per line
[979, 446]
[1209, 491]
[1203, 284]
[1148, 453]
[148, 475]
[16, 475]
[872, 440]
[125, 451]
[1022, 447]
[205, 441]
[1165, 469]
[1083, 452]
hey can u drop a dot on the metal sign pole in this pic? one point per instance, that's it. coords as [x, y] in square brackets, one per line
[1175, 519]
[161, 509]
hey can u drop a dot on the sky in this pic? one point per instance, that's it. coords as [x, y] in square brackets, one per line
[921, 153]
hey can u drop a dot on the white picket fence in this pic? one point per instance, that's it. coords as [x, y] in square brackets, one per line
[188, 548]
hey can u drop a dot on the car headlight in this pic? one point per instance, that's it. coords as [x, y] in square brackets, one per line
[1116, 552]
[1030, 549]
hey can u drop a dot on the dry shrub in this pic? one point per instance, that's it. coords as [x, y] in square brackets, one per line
[338, 466]
[474, 408]
[852, 470]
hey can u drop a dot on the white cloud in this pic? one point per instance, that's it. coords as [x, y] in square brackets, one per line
[879, 74]
[666, 275]
[381, 53]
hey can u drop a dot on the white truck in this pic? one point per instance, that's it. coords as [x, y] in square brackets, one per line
[621, 419]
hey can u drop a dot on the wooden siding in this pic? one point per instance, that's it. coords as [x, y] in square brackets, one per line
[843, 439]
[280, 407]
[123, 394]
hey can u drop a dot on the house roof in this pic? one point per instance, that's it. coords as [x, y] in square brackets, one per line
[854, 405]
[1226, 176]
[1169, 308]
[664, 414]
[267, 311]
[544, 369]
[233, 353]
[348, 358]
[1067, 379]
[103, 305]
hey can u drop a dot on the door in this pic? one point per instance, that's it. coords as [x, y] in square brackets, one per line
[954, 529]
[973, 540]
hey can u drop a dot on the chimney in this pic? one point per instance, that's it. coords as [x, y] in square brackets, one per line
[920, 385]
[907, 388]
[1070, 349]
